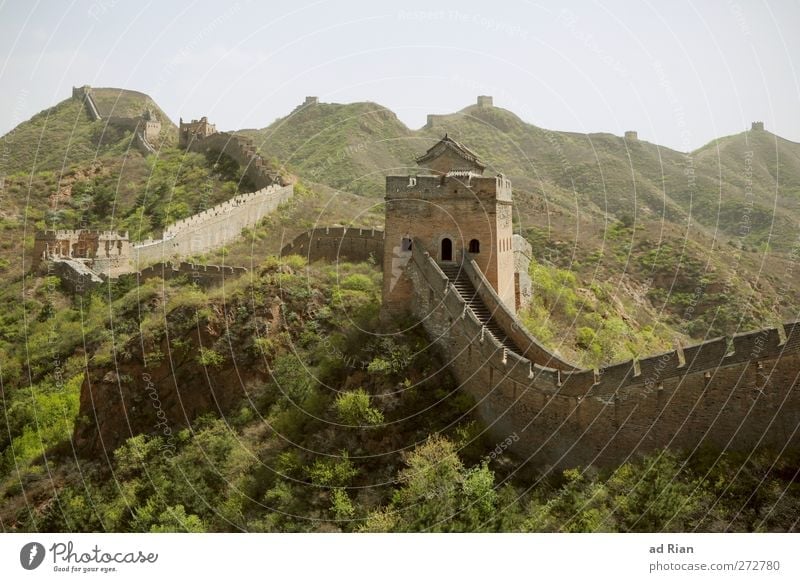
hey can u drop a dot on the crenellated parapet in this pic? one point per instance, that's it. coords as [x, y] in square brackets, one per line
[212, 228]
[203, 137]
[334, 244]
[728, 393]
[145, 127]
[203, 275]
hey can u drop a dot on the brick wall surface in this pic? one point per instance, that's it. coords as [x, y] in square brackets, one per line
[575, 418]
[333, 244]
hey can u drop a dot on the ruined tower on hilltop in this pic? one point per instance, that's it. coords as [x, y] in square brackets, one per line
[457, 213]
[196, 128]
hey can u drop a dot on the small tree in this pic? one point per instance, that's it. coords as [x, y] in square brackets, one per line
[353, 408]
[210, 358]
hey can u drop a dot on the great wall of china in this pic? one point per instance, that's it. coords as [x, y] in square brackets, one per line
[727, 394]
[338, 243]
[212, 228]
[449, 257]
[86, 258]
[145, 127]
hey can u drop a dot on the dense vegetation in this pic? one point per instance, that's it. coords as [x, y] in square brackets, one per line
[346, 430]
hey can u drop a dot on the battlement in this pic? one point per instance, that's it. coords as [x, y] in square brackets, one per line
[211, 228]
[146, 127]
[454, 184]
[239, 201]
[337, 243]
[80, 93]
[243, 150]
[193, 130]
[757, 126]
[434, 120]
[725, 392]
[103, 234]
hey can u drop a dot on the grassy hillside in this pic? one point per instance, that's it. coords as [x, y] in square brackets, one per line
[64, 171]
[126, 103]
[349, 147]
[63, 138]
[56, 139]
[738, 178]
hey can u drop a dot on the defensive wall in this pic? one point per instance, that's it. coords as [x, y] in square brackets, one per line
[728, 393]
[203, 275]
[243, 150]
[197, 234]
[211, 228]
[110, 253]
[145, 128]
[336, 243]
[75, 275]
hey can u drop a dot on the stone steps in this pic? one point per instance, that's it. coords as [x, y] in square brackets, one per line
[470, 296]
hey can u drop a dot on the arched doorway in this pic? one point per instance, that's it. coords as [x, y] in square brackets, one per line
[474, 246]
[447, 249]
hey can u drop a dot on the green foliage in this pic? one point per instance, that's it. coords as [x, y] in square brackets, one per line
[657, 494]
[438, 493]
[341, 505]
[580, 505]
[210, 358]
[332, 472]
[40, 418]
[562, 313]
[391, 358]
[175, 520]
[292, 378]
[353, 408]
[357, 282]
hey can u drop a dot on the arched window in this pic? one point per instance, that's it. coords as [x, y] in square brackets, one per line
[405, 245]
[475, 246]
[447, 249]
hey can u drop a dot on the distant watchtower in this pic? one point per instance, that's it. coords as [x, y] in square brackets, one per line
[757, 126]
[456, 213]
[194, 129]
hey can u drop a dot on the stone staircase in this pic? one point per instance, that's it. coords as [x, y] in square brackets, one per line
[467, 291]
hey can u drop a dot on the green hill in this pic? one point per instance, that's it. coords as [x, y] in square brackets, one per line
[349, 147]
[113, 102]
[653, 223]
[63, 137]
[354, 146]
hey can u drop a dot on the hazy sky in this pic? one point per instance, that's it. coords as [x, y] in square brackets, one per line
[679, 72]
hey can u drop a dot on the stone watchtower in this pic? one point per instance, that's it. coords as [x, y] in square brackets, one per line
[195, 129]
[456, 213]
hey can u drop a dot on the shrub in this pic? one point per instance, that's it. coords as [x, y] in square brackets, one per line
[341, 505]
[353, 408]
[357, 282]
[332, 473]
[292, 378]
[210, 358]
